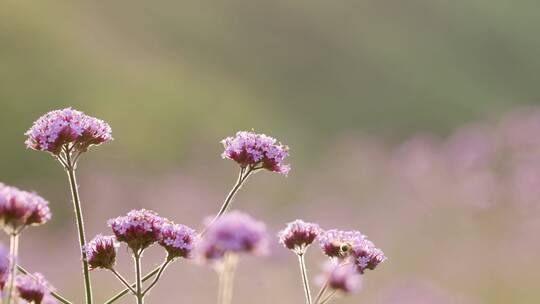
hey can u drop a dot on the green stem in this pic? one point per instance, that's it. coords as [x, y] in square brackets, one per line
[53, 293]
[121, 279]
[13, 252]
[80, 225]
[156, 279]
[305, 281]
[125, 291]
[138, 273]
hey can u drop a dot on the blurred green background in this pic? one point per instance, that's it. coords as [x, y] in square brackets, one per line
[174, 77]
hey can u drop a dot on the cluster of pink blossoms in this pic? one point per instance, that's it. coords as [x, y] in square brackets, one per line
[235, 232]
[55, 129]
[251, 149]
[101, 251]
[19, 209]
[34, 289]
[351, 253]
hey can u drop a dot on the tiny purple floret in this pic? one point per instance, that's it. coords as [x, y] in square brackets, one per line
[101, 252]
[55, 129]
[138, 229]
[298, 235]
[178, 240]
[252, 149]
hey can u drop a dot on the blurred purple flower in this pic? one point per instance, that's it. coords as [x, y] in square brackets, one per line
[101, 252]
[57, 128]
[20, 208]
[366, 256]
[138, 229]
[251, 149]
[34, 289]
[298, 235]
[341, 277]
[178, 240]
[234, 232]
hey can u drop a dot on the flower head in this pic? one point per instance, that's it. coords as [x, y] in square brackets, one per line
[178, 240]
[343, 278]
[251, 149]
[34, 289]
[138, 229]
[298, 235]
[338, 243]
[67, 126]
[366, 256]
[234, 232]
[20, 208]
[4, 266]
[101, 252]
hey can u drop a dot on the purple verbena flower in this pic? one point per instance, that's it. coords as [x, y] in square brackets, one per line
[234, 232]
[342, 277]
[67, 126]
[251, 149]
[4, 266]
[20, 208]
[101, 252]
[366, 256]
[298, 235]
[178, 240]
[34, 289]
[138, 229]
[338, 243]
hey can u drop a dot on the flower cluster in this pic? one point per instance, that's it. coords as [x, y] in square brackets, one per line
[101, 252]
[235, 232]
[338, 243]
[343, 278]
[298, 235]
[251, 149]
[34, 289]
[138, 229]
[21, 208]
[67, 126]
[178, 240]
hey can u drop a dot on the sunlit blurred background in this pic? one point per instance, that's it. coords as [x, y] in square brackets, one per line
[413, 121]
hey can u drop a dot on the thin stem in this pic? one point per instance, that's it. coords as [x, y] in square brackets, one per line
[305, 281]
[160, 272]
[13, 252]
[226, 273]
[53, 293]
[328, 298]
[125, 291]
[138, 273]
[122, 279]
[80, 224]
[242, 177]
[321, 292]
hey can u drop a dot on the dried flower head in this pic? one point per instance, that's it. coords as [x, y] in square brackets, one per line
[366, 256]
[298, 235]
[101, 252]
[20, 208]
[251, 149]
[234, 232]
[178, 240]
[67, 126]
[342, 277]
[138, 229]
[34, 289]
[338, 244]
[4, 266]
